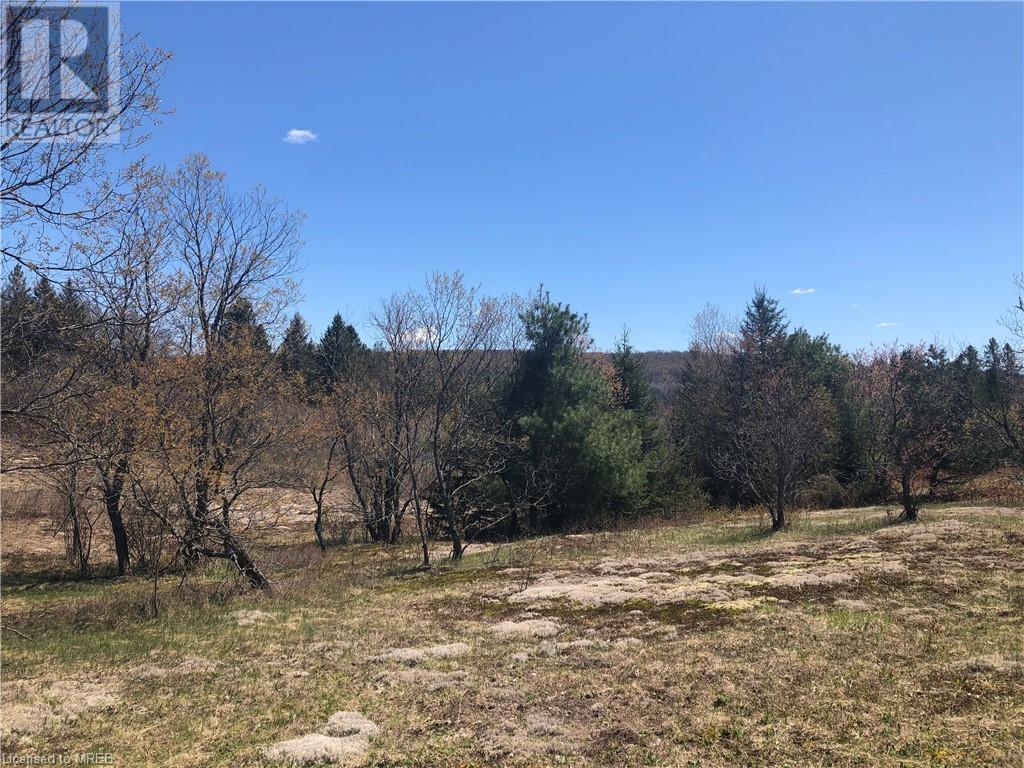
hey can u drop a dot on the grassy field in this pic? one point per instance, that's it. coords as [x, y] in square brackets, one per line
[847, 640]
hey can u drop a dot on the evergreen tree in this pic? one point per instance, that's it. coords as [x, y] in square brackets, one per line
[241, 326]
[16, 326]
[15, 291]
[764, 329]
[297, 352]
[340, 353]
[47, 321]
[74, 314]
[582, 451]
[667, 481]
[636, 393]
[998, 404]
[73, 308]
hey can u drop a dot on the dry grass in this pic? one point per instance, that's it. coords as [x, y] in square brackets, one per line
[846, 641]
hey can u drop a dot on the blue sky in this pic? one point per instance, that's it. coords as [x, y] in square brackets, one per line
[639, 160]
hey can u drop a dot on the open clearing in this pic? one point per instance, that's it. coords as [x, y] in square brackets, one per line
[846, 641]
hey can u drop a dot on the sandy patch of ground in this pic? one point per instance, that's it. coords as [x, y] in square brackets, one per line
[28, 708]
[731, 579]
[250, 618]
[527, 629]
[572, 647]
[317, 749]
[536, 733]
[190, 665]
[344, 740]
[425, 679]
[425, 653]
[989, 663]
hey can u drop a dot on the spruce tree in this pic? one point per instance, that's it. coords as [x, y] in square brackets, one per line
[47, 321]
[241, 326]
[631, 372]
[764, 329]
[297, 351]
[636, 394]
[16, 326]
[340, 353]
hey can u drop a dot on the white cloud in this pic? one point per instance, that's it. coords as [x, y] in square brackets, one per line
[802, 291]
[299, 136]
[887, 325]
[421, 336]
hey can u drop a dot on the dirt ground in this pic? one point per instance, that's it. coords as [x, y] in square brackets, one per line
[848, 640]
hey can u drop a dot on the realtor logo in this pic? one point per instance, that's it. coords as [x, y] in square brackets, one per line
[61, 70]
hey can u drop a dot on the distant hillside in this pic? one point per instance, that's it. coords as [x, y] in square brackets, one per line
[662, 370]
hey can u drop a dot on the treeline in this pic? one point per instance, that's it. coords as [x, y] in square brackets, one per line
[150, 384]
[159, 382]
[771, 416]
[151, 377]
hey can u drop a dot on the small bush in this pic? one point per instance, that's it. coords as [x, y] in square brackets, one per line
[822, 492]
[682, 495]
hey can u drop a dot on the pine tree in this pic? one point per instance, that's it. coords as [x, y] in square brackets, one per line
[764, 329]
[582, 452]
[47, 322]
[16, 310]
[340, 353]
[636, 394]
[297, 351]
[631, 372]
[241, 326]
[15, 290]
[73, 308]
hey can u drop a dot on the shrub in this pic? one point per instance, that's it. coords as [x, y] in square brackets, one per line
[822, 492]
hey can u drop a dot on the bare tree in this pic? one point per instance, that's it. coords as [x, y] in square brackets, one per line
[708, 400]
[317, 453]
[781, 440]
[384, 444]
[212, 452]
[57, 188]
[902, 414]
[134, 296]
[76, 521]
[213, 407]
[80, 392]
[56, 182]
[464, 335]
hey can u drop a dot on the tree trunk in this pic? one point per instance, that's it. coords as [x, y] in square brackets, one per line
[318, 527]
[395, 528]
[420, 525]
[907, 497]
[779, 509]
[778, 519]
[244, 563]
[192, 541]
[423, 537]
[453, 528]
[78, 542]
[458, 547]
[112, 501]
